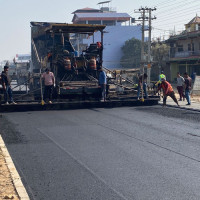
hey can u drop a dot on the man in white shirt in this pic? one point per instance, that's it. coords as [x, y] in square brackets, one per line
[180, 84]
[49, 81]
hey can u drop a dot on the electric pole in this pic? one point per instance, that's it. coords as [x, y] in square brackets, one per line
[142, 45]
[143, 18]
[149, 46]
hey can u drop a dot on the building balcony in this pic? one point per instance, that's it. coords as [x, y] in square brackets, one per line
[184, 54]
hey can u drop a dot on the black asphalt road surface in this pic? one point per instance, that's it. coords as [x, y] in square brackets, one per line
[129, 153]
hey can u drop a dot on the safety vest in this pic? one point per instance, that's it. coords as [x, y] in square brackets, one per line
[92, 64]
[161, 76]
[67, 64]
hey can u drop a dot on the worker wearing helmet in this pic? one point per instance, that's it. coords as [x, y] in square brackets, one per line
[160, 77]
[167, 91]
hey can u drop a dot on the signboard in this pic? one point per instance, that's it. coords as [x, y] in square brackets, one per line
[23, 56]
[196, 86]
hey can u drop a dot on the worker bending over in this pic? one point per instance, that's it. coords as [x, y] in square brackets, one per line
[167, 91]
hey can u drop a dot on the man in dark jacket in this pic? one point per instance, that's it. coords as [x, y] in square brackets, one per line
[188, 86]
[5, 79]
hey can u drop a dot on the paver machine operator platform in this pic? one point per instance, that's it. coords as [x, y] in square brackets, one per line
[76, 71]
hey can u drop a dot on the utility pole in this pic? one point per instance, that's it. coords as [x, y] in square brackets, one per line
[143, 18]
[145, 61]
[149, 46]
[142, 45]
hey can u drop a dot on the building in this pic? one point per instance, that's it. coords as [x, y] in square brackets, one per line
[185, 50]
[119, 29]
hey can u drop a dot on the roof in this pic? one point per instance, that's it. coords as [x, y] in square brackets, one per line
[184, 35]
[190, 58]
[68, 28]
[86, 10]
[75, 28]
[101, 16]
[195, 20]
[103, 2]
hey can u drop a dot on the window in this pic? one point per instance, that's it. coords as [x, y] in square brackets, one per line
[180, 48]
[189, 47]
[192, 46]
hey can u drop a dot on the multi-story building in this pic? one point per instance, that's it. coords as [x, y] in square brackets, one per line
[185, 50]
[118, 30]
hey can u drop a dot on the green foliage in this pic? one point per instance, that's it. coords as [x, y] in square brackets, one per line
[132, 53]
[160, 52]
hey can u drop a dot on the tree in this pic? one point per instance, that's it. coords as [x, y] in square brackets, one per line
[132, 53]
[160, 54]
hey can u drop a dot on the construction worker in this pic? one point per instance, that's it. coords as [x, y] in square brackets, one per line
[159, 79]
[142, 83]
[187, 86]
[92, 65]
[180, 85]
[67, 64]
[167, 91]
[102, 83]
[6, 81]
[49, 82]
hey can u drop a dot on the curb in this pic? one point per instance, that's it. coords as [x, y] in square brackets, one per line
[182, 108]
[21, 191]
[76, 105]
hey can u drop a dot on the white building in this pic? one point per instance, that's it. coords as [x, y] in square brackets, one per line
[115, 33]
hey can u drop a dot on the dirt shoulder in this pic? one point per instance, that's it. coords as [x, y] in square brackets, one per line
[7, 188]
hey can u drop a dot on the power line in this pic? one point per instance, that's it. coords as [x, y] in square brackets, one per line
[180, 11]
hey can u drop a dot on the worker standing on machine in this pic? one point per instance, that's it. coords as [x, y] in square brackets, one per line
[6, 81]
[142, 84]
[67, 64]
[92, 63]
[102, 83]
[49, 82]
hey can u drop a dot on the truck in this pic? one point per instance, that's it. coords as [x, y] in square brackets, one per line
[76, 70]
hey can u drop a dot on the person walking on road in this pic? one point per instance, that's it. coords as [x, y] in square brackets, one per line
[142, 83]
[6, 81]
[188, 86]
[180, 85]
[49, 81]
[102, 83]
[167, 91]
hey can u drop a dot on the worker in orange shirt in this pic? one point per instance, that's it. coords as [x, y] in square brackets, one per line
[167, 91]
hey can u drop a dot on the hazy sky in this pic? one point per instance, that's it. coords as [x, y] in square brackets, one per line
[15, 17]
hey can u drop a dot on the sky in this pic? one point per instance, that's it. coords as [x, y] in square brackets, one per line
[15, 18]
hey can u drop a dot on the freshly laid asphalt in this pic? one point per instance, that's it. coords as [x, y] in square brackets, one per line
[136, 153]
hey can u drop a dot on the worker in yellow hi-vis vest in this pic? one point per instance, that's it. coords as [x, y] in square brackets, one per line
[161, 76]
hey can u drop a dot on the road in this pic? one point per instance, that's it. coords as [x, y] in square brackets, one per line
[129, 153]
